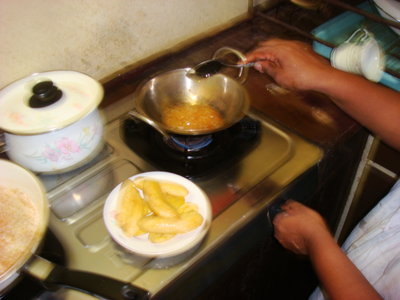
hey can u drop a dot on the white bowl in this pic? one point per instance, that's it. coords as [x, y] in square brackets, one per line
[389, 9]
[181, 242]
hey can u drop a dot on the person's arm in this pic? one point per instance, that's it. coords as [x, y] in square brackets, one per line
[294, 65]
[374, 106]
[303, 231]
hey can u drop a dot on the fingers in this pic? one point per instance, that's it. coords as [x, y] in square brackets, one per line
[297, 226]
[274, 49]
[293, 65]
[286, 236]
[278, 218]
[264, 51]
[291, 210]
[261, 54]
[269, 67]
[290, 204]
[267, 57]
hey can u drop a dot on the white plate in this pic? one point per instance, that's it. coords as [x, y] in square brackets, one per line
[177, 245]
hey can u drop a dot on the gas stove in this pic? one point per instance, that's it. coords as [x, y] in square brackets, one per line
[242, 170]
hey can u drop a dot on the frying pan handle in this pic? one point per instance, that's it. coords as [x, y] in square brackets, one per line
[243, 71]
[55, 276]
[136, 115]
[94, 284]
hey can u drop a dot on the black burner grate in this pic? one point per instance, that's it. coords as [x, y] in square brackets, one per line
[216, 152]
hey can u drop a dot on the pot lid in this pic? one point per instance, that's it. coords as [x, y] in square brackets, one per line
[47, 101]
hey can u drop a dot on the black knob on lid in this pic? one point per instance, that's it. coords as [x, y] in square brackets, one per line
[45, 93]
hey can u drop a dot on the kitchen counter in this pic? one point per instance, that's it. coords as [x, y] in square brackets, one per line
[259, 266]
[239, 250]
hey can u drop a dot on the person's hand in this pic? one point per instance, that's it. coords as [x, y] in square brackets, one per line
[292, 64]
[297, 227]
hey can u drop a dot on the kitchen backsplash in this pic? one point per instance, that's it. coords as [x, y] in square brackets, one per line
[101, 37]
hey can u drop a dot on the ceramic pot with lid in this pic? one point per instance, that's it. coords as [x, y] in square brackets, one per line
[50, 120]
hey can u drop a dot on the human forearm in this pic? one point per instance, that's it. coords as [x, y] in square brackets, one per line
[374, 106]
[302, 230]
[296, 66]
[338, 275]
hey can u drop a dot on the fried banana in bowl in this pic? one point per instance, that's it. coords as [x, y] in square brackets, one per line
[157, 214]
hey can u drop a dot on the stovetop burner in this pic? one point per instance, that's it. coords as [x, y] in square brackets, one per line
[187, 143]
[192, 156]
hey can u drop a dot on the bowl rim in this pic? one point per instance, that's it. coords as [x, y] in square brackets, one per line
[183, 242]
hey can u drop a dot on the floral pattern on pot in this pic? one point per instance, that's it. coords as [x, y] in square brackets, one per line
[66, 148]
[58, 150]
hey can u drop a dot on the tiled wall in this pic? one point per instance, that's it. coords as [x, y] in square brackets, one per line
[101, 37]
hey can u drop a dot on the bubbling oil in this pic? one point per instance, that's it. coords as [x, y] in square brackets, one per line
[192, 117]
